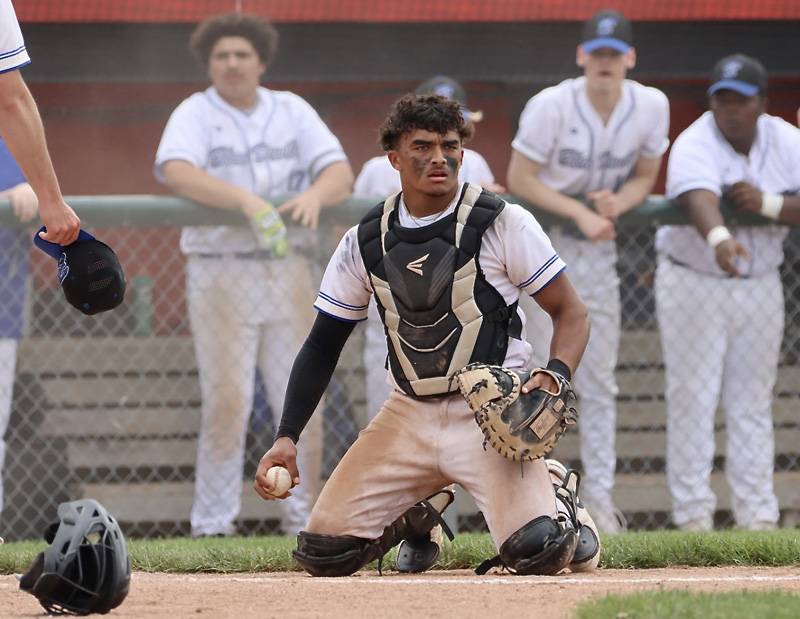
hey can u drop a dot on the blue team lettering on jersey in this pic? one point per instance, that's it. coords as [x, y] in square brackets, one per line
[226, 156]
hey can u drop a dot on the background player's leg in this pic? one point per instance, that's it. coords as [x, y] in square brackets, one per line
[694, 341]
[225, 346]
[592, 270]
[595, 381]
[756, 308]
[290, 304]
[8, 364]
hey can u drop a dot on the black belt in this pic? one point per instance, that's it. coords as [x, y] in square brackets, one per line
[259, 254]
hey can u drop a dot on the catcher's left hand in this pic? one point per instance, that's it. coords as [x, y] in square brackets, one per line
[519, 425]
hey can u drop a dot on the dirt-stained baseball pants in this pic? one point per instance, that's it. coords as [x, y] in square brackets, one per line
[721, 339]
[592, 270]
[413, 448]
[245, 312]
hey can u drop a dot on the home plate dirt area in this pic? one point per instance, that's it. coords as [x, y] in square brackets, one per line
[434, 594]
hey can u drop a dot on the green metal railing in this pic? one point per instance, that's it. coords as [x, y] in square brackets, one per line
[158, 210]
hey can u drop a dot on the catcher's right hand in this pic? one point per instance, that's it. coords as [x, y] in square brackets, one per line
[519, 425]
[282, 453]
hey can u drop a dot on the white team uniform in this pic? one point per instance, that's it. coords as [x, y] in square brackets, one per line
[246, 311]
[560, 130]
[378, 179]
[13, 54]
[721, 336]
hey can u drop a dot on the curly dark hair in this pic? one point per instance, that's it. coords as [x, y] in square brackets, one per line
[261, 33]
[429, 112]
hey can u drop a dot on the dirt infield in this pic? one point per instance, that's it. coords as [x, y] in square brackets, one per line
[435, 594]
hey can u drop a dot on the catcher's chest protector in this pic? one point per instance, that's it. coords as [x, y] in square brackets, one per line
[438, 310]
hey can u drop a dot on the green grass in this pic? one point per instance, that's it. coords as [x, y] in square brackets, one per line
[685, 605]
[273, 554]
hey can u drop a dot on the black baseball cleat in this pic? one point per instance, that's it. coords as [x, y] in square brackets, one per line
[418, 553]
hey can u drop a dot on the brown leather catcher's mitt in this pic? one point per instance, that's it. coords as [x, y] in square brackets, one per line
[520, 426]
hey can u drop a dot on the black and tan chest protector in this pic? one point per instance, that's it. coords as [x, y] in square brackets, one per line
[438, 310]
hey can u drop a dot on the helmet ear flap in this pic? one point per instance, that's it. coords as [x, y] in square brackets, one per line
[50, 532]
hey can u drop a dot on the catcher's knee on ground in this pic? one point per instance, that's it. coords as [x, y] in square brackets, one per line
[342, 555]
[541, 547]
[333, 555]
[425, 526]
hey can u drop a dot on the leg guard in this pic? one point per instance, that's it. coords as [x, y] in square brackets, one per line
[421, 547]
[342, 555]
[541, 547]
[333, 555]
[572, 513]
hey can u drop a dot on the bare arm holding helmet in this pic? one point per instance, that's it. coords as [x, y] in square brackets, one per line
[22, 130]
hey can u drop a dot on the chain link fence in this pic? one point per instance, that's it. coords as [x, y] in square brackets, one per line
[109, 406]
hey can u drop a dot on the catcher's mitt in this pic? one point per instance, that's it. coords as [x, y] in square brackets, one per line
[521, 426]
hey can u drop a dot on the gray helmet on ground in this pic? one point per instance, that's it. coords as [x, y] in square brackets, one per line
[86, 568]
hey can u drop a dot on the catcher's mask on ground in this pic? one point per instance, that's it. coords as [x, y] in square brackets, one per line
[86, 568]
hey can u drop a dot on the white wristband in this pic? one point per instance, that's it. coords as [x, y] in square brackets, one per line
[771, 205]
[717, 234]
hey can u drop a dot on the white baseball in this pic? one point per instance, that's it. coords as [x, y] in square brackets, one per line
[279, 480]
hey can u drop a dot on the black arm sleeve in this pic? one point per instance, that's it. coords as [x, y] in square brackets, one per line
[311, 373]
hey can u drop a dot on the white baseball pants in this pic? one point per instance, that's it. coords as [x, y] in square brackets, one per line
[721, 340]
[245, 312]
[413, 448]
[591, 267]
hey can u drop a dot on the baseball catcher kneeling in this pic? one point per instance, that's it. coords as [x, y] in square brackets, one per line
[445, 263]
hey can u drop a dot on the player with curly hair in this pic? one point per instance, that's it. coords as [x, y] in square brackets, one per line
[446, 262]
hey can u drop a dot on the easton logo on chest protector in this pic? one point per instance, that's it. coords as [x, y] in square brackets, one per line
[415, 266]
[438, 310]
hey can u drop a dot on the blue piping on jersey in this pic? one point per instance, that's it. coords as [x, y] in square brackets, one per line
[631, 108]
[538, 273]
[19, 66]
[334, 316]
[550, 281]
[332, 301]
[591, 137]
[311, 165]
[13, 52]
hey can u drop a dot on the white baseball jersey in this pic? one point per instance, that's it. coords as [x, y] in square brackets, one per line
[703, 159]
[379, 178]
[516, 255]
[277, 149]
[13, 54]
[561, 130]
